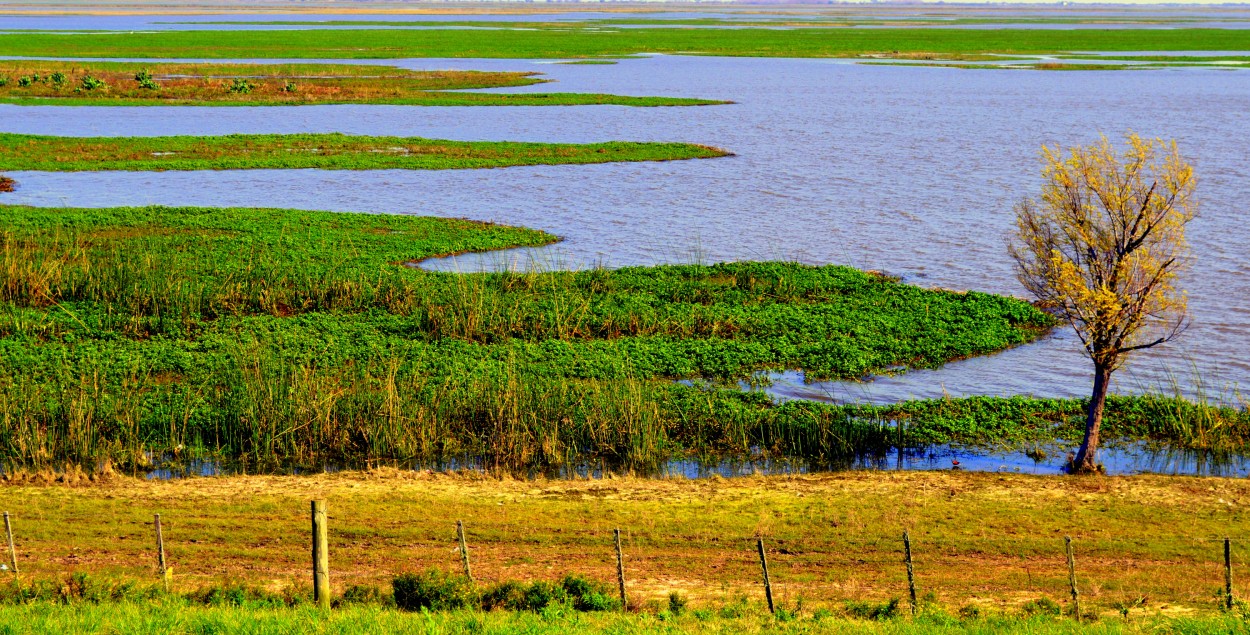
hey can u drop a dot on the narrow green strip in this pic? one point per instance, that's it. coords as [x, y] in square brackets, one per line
[578, 42]
[322, 151]
[59, 83]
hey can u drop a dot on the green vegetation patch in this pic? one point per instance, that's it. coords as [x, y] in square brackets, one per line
[322, 151]
[135, 84]
[581, 42]
[227, 321]
[241, 610]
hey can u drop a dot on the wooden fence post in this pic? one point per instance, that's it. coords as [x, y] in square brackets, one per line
[464, 550]
[320, 555]
[620, 569]
[1228, 573]
[768, 585]
[160, 551]
[8, 530]
[1076, 600]
[911, 575]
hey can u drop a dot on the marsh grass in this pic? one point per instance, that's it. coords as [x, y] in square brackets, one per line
[321, 151]
[277, 335]
[138, 84]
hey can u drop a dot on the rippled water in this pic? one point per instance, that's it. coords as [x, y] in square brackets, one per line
[908, 170]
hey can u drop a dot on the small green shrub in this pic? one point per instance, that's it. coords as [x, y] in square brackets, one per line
[518, 596]
[434, 590]
[589, 595]
[77, 587]
[58, 78]
[27, 80]
[970, 612]
[676, 603]
[289, 88]
[241, 86]
[508, 596]
[1042, 606]
[144, 77]
[92, 83]
[363, 594]
[872, 610]
[4, 81]
[237, 594]
[542, 594]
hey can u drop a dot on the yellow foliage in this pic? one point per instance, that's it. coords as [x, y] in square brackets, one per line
[1105, 241]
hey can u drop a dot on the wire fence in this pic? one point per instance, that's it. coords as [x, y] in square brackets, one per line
[1044, 559]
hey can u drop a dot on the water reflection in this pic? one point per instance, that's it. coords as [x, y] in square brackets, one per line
[1119, 458]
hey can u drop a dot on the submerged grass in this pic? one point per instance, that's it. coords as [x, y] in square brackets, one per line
[322, 151]
[581, 42]
[137, 84]
[282, 335]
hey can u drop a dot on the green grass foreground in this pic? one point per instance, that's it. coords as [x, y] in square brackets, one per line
[546, 43]
[320, 151]
[175, 619]
[267, 334]
[136, 84]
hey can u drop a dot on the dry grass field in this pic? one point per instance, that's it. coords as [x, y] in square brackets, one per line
[1146, 544]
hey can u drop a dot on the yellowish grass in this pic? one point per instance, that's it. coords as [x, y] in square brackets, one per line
[985, 539]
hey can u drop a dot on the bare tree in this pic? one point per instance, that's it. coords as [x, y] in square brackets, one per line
[1102, 248]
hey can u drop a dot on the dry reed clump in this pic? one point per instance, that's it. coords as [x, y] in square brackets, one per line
[7, 184]
[70, 475]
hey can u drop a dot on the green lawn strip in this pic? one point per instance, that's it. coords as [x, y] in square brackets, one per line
[37, 82]
[220, 614]
[778, 21]
[547, 43]
[321, 151]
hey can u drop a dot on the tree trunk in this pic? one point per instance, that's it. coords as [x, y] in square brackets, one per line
[1085, 461]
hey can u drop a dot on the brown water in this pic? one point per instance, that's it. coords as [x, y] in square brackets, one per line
[908, 170]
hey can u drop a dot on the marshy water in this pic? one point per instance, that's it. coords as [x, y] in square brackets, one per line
[908, 170]
[912, 171]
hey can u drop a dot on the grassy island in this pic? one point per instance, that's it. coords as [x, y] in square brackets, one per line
[321, 151]
[301, 336]
[162, 84]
